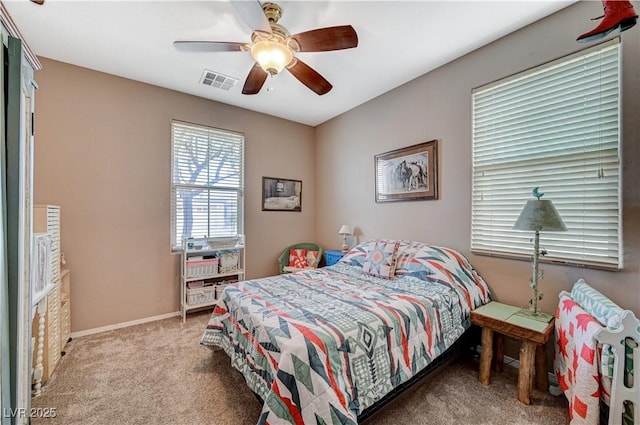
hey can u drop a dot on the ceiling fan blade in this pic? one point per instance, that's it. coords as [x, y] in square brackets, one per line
[40, 2]
[309, 77]
[255, 80]
[251, 12]
[207, 46]
[326, 39]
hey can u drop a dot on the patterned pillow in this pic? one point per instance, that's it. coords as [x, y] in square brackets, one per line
[298, 258]
[357, 255]
[596, 304]
[605, 311]
[381, 259]
[312, 256]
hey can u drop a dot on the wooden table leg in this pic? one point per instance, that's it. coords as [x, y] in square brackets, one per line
[498, 352]
[525, 375]
[485, 356]
[542, 376]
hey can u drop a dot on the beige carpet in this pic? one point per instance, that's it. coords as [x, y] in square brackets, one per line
[157, 373]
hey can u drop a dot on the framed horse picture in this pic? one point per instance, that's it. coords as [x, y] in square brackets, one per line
[407, 174]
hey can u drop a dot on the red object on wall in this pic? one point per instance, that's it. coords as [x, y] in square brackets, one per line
[617, 14]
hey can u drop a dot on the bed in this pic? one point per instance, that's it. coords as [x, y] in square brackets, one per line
[322, 346]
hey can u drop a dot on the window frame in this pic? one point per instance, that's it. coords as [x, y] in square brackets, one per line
[219, 136]
[482, 233]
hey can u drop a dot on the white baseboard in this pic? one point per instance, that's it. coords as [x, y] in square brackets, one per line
[123, 325]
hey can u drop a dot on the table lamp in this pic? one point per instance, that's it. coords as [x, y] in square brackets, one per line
[538, 215]
[344, 231]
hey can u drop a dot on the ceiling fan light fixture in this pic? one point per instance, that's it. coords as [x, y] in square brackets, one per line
[273, 48]
[272, 56]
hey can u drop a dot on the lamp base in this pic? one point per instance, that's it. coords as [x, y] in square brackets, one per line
[345, 247]
[539, 316]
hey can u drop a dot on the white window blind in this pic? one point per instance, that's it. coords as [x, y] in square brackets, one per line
[555, 127]
[207, 190]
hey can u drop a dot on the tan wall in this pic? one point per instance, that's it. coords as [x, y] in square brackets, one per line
[103, 154]
[438, 106]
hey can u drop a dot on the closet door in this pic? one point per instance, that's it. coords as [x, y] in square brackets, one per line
[25, 344]
[19, 204]
[17, 88]
[5, 387]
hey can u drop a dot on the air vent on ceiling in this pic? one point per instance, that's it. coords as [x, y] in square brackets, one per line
[214, 79]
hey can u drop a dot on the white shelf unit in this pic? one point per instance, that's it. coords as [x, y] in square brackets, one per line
[46, 219]
[207, 266]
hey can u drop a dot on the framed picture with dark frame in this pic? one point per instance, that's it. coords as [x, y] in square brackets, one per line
[407, 174]
[281, 194]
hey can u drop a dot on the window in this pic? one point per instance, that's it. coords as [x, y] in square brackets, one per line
[207, 186]
[557, 127]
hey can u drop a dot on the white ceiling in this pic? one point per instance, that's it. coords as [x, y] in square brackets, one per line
[398, 41]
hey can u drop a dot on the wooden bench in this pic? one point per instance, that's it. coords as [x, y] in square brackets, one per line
[501, 319]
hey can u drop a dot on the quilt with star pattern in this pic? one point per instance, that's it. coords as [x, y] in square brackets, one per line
[576, 361]
[320, 346]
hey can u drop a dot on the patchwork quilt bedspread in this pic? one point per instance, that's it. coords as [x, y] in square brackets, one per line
[320, 346]
[576, 361]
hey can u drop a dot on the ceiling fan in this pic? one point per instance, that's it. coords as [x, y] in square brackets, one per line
[273, 48]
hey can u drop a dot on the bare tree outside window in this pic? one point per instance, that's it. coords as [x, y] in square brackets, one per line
[207, 182]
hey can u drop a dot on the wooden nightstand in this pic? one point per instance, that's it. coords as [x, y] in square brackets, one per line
[502, 319]
[332, 256]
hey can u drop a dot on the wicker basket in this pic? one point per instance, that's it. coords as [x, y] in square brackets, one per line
[204, 295]
[220, 288]
[223, 243]
[228, 261]
[200, 268]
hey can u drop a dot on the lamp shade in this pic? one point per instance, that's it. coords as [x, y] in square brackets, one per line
[344, 230]
[271, 55]
[540, 215]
